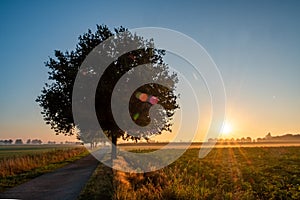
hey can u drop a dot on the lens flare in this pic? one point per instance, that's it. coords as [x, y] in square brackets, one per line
[146, 98]
[153, 100]
[85, 88]
[136, 116]
[143, 97]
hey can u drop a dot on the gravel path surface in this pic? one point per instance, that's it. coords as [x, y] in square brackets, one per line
[65, 183]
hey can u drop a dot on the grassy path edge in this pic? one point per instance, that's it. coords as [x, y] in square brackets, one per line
[100, 184]
[14, 180]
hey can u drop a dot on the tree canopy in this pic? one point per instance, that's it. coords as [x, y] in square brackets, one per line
[56, 96]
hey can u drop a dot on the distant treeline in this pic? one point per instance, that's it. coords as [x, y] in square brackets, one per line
[20, 141]
[286, 137]
[221, 140]
[267, 138]
[33, 141]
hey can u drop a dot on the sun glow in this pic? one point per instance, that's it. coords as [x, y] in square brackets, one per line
[226, 129]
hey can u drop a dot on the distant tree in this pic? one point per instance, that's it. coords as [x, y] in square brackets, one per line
[19, 141]
[248, 139]
[10, 141]
[28, 141]
[212, 140]
[69, 142]
[221, 140]
[36, 141]
[89, 137]
[56, 97]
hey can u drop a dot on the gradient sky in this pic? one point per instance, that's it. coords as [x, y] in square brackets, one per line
[255, 44]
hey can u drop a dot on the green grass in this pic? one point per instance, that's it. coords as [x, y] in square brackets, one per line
[22, 163]
[100, 185]
[226, 173]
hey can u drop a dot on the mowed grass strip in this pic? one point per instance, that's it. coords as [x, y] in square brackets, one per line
[20, 167]
[100, 184]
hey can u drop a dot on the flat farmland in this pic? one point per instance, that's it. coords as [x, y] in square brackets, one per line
[20, 163]
[197, 145]
[225, 173]
[232, 172]
[7, 151]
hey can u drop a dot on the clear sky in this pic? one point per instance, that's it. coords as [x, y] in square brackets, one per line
[255, 44]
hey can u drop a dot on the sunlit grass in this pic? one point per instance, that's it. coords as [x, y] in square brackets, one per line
[226, 173]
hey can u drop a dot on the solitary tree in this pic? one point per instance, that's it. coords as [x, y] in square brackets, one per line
[56, 96]
[19, 141]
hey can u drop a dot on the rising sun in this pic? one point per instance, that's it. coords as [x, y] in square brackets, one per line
[226, 129]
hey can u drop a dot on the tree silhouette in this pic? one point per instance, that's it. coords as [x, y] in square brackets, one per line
[19, 141]
[56, 98]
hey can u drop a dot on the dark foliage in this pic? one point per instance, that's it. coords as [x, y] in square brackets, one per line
[56, 96]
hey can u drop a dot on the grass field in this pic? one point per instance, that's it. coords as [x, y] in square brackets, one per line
[18, 150]
[226, 173]
[19, 163]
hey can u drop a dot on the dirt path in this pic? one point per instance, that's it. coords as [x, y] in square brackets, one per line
[62, 184]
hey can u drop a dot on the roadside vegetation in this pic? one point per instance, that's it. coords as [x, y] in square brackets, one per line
[226, 173]
[20, 163]
[100, 185]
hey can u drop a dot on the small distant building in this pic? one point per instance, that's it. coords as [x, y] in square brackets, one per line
[268, 136]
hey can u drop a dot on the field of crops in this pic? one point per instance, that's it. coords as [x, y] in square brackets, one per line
[226, 173]
[19, 150]
[19, 163]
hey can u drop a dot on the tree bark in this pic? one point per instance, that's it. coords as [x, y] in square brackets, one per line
[114, 147]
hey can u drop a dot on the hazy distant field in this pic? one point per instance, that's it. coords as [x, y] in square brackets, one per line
[130, 146]
[18, 150]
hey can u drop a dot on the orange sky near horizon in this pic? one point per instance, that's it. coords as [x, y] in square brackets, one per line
[254, 44]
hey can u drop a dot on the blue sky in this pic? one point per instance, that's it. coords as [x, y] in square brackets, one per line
[255, 44]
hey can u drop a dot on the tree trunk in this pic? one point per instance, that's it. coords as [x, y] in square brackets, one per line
[114, 147]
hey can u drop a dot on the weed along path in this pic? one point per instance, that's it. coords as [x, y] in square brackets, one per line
[65, 183]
